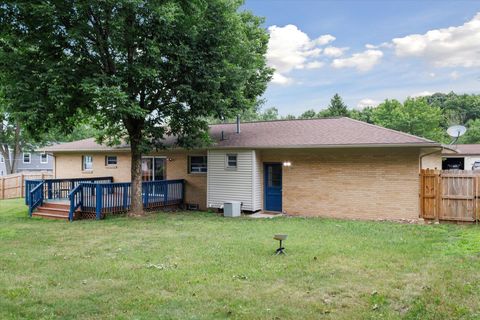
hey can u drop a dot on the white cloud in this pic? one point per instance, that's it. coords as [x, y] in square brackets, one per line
[432, 75]
[382, 45]
[422, 94]
[314, 65]
[446, 47]
[367, 103]
[362, 61]
[290, 48]
[280, 79]
[323, 40]
[334, 51]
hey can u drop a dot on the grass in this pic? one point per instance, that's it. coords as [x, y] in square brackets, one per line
[200, 266]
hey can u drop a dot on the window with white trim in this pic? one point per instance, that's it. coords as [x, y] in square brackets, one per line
[197, 164]
[110, 161]
[87, 163]
[231, 161]
[2, 160]
[27, 157]
[43, 158]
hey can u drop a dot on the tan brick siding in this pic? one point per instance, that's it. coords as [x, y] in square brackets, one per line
[69, 165]
[195, 183]
[350, 183]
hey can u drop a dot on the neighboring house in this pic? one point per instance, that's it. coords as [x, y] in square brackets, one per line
[465, 157]
[28, 161]
[333, 167]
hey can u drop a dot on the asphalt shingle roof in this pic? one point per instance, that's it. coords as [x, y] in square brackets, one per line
[311, 133]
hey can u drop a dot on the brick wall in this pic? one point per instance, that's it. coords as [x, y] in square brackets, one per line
[350, 183]
[195, 183]
[69, 165]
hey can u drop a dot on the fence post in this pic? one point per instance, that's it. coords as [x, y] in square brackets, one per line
[2, 188]
[438, 196]
[98, 201]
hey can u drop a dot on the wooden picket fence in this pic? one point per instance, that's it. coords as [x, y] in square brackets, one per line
[450, 195]
[13, 185]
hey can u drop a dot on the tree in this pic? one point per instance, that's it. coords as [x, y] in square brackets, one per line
[269, 114]
[337, 108]
[414, 116]
[309, 114]
[10, 140]
[473, 132]
[365, 115]
[289, 117]
[142, 69]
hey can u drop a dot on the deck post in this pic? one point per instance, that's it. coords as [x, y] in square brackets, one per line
[49, 189]
[125, 197]
[98, 201]
[165, 200]
[183, 192]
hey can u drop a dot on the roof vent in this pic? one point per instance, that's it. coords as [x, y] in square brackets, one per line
[238, 123]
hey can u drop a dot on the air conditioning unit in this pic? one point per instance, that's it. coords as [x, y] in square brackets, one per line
[232, 209]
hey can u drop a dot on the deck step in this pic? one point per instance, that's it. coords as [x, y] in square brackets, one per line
[49, 215]
[56, 205]
[53, 210]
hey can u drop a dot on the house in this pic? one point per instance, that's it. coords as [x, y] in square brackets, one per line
[465, 157]
[28, 161]
[332, 167]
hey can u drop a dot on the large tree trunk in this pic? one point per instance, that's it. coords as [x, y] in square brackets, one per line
[16, 148]
[136, 208]
[5, 152]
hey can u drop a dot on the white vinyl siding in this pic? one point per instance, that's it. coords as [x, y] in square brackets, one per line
[257, 182]
[231, 185]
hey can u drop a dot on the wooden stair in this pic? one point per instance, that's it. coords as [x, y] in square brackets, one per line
[49, 210]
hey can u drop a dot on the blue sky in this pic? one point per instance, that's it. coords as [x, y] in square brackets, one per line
[368, 51]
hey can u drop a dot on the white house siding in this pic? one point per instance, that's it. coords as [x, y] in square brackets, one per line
[224, 184]
[257, 182]
[469, 161]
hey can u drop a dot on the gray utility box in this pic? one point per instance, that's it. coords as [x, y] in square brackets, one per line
[232, 208]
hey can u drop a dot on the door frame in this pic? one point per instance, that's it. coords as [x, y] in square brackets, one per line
[265, 181]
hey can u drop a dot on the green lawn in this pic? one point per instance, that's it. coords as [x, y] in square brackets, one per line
[201, 266]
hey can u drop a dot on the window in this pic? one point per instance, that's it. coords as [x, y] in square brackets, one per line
[231, 161]
[2, 160]
[87, 163]
[197, 164]
[153, 168]
[43, 158]
[26, 157]
[110, 161]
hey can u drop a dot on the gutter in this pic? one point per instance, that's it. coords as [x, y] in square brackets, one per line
[427, 154]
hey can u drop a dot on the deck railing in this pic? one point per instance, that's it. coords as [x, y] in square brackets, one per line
[35, 197]
[96, 197]
[112, 198]
[61, 188]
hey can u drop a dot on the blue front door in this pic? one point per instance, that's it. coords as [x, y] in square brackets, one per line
[273, 187]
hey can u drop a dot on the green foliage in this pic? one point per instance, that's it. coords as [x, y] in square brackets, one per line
[473, 132]
[337, 108]
[309, 114]
[365, 115]
[414, 116]
[139, 69]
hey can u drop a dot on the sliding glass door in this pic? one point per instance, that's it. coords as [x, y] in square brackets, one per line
[153, 168]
